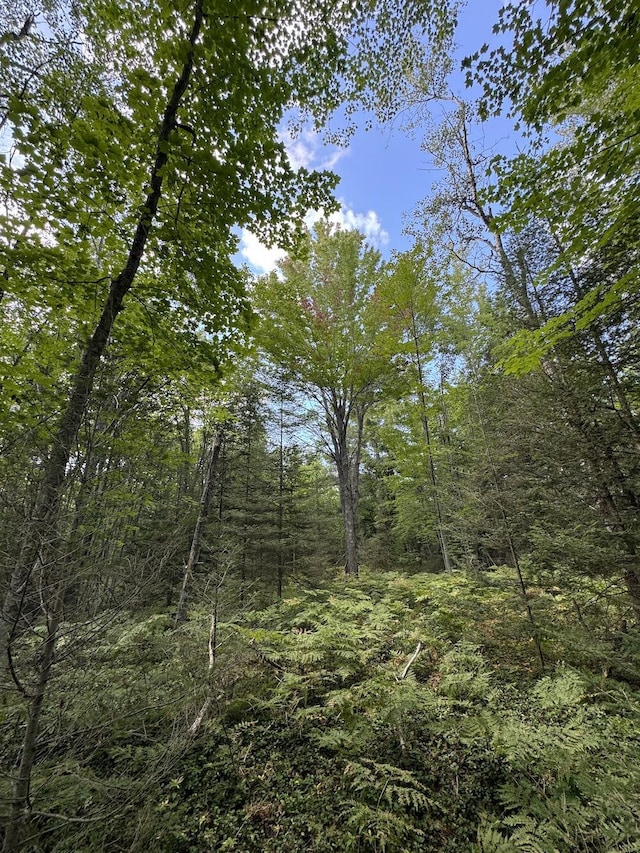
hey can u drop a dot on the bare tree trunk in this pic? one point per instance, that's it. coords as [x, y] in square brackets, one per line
[352, 566]
[201, 523]
[245, 521]
[348, 468]
[213, 650]
[21, 805]
[182, 490]
[442, 541]
[281, 501]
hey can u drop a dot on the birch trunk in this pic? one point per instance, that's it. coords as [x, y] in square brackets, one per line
[201, 523]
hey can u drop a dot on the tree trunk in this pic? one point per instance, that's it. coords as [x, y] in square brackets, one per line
[20, 812]
[349, 517]
[201, 523]
[40, 546]
[281, 501]
[348, 469]
[245, 520]
[442, 540]
[182, 490]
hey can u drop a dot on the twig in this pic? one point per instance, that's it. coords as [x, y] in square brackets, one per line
[405, 671]
[75, 819]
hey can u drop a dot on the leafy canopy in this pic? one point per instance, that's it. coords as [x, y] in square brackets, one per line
[323, 321]
[570, 77]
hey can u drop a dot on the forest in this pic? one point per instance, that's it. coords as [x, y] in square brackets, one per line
[344, 556]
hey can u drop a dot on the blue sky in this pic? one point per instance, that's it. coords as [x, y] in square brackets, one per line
[383, 172]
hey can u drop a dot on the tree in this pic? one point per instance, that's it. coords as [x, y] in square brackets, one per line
[208, 490]
[591, 390]
[247, 508]
[414, 298]
[586, 361]
[131, 169]
[222, 84]
[322, 324]
[571, 72]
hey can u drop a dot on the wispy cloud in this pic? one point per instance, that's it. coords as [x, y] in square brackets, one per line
[307, 150]
[367, 223]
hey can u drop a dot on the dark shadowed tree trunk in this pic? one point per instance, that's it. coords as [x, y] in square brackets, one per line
[346, 450]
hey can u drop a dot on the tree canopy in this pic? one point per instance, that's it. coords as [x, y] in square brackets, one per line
[570, 78]
[324, 324]
[344, 557]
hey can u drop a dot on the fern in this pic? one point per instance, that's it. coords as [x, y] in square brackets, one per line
[553, 762]
[388, 783]
[490, 840]
[378, 830]
[388, 797]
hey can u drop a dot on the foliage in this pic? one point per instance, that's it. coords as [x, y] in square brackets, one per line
[494, 707]
[320, 319]
[569, 76]
[325, 325]
[439, 755]
[329, 728]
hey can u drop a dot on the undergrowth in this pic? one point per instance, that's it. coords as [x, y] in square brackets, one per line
[387, 714]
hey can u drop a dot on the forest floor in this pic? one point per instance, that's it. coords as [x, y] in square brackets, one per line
[391, 712]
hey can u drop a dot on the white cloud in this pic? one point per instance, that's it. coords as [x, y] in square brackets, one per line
[264, 259]
[307, 150]
[332, 155]
[260, 257]
[367, 223]
[301, 150]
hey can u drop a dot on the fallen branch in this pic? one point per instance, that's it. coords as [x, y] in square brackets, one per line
[412, 659]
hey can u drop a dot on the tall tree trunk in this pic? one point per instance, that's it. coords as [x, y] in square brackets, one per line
[201, 523]
[182, 489]
[20, 812]
[347, 462]
[40, 549]
[440, 531]
[245, 522]
[281, 501]
[349, 507]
